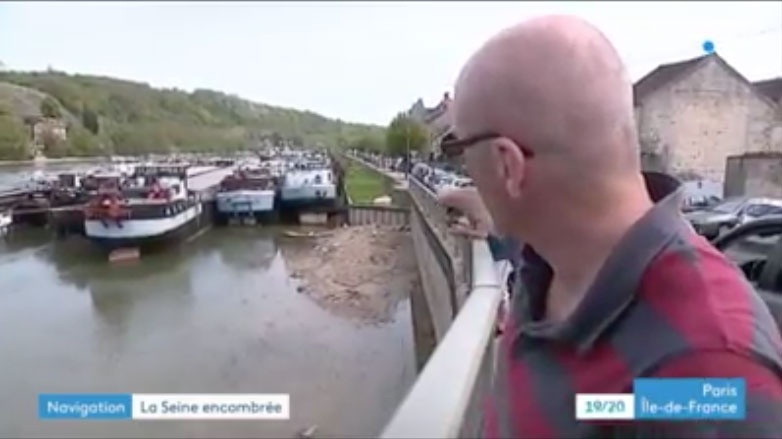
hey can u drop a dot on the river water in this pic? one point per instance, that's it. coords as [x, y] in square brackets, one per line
[14, 175]
[218, 314]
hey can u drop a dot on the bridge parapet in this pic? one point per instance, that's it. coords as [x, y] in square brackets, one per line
[463, 293]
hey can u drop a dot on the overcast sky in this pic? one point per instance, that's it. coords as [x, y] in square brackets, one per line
[356, 61]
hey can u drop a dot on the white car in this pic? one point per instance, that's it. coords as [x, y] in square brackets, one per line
[421, 171]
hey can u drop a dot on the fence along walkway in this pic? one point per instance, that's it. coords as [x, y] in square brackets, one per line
[371, 214]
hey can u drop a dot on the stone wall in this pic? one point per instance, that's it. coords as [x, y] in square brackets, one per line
[754, 175]
[690, 126]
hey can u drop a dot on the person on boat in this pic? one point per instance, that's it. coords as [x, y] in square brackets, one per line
[613, 284]
[157, 191]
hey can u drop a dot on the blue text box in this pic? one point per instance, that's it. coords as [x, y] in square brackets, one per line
[85, 406]
[690, 398]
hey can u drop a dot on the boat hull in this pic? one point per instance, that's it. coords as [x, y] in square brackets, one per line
[245, 201]
[144, 233]
[311, 195]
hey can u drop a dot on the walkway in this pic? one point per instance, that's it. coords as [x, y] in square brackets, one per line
[206, 180]
[399, 178]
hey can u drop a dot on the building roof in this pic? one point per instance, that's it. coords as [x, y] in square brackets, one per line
[664, 75]
[426, 115]
[771, 88]
[668, 73]
[437, 111]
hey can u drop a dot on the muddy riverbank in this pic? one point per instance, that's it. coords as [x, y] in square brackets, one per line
[361, 273]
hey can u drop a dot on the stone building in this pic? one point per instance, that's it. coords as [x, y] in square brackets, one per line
[757, 174]
[693, 114]
[41, 127]
[436, 119]
[772, 88]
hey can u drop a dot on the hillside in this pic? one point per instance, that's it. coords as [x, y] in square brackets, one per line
[134, 118]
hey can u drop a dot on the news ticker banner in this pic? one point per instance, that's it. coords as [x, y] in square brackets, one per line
[668, 399]
[152, 406]
[652, 399]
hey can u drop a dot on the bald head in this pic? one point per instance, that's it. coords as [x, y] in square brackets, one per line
[556, 85]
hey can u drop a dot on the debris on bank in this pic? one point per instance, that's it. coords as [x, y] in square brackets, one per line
[360, 272]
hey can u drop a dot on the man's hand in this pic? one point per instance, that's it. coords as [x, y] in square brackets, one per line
[477, 222]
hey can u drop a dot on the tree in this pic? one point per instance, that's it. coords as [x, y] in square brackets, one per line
[405, 134]
[276, 138]
[368, 143]
[13, 139]
[5, 108]
[82, 143]
[90, 120]
[50, 108]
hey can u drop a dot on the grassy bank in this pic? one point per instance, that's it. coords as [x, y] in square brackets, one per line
[362, 184]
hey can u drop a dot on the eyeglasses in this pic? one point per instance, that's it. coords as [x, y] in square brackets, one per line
[456, 147]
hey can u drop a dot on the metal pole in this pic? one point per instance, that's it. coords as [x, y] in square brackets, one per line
[407, 150]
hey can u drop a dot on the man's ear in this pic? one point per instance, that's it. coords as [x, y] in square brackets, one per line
[511, 165]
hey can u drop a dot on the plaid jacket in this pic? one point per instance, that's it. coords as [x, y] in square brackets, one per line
[665, 304]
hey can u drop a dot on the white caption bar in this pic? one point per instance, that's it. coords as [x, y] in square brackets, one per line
[211, 406]
[599, 406]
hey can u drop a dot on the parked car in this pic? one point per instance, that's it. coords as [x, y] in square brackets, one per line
[700, 202]
[723, 216]
[761, 208]
[732, 212]
[756, 247]
[421, 171]
[454, 181]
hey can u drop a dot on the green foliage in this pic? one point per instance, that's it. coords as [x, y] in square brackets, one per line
[50, 108]
[368, 143]
[13, 138]
[135, 118]
[5, 108]
[404, 133]
[82, 143]
[90, 120]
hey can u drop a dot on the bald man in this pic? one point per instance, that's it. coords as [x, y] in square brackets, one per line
[614, 284]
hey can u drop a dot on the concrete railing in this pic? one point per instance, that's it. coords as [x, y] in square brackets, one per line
[445, 400]
[443, 259]
[461, 296]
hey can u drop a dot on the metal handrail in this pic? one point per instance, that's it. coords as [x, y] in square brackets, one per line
[440, 399]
